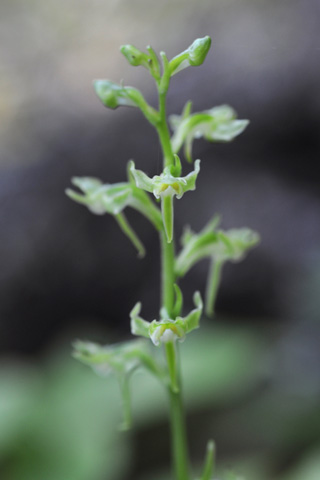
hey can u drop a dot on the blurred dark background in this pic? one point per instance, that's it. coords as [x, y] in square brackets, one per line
[66, 273]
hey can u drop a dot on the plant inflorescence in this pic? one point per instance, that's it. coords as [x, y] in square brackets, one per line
[154, 198]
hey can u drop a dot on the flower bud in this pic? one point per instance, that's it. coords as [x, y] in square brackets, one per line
[198, 50]
[193, 56]
[113, 95]
[134, 56]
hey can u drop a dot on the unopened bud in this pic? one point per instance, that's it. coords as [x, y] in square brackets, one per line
[112, 95]
[134, 56]
[198, 50]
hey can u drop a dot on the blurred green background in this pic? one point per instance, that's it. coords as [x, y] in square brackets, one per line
[252, 375]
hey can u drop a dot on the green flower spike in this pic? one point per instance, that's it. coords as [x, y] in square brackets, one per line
[219, 245]
[219, 124]
[166, 186]
[166, 330]
[194, 55]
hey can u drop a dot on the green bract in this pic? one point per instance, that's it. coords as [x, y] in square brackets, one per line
[219, 124]
[166, 186]
[166, 330]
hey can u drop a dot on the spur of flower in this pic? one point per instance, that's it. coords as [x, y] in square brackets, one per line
[166, 186]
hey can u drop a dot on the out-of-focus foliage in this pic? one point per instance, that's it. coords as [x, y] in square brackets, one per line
[59, 421]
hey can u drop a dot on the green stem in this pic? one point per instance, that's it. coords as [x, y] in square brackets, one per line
[213, 282]
[177, 420]
[163, 132]
[126, 407]
[171, 357]
[178, 430]
[167, 273]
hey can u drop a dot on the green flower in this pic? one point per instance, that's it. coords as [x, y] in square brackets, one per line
[166, 330]
[102, 198]
[219, 124]
[165, 187]
[121, 360]
[220, 245]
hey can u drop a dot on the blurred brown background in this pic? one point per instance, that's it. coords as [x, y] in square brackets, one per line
[66, 273]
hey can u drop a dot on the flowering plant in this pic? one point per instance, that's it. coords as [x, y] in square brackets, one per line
[218, 124]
